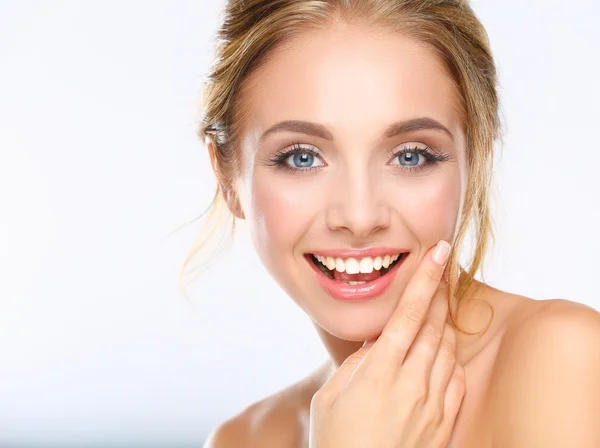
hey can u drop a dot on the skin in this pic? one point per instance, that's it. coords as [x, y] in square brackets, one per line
[339, 79]
[355, 83]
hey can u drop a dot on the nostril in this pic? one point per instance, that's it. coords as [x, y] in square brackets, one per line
[359, 220]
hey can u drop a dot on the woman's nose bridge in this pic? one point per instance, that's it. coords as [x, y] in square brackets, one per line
[361, 203]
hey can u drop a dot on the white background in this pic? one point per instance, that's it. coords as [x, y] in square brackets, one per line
[99, 165]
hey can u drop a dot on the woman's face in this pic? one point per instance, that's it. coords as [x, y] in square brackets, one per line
[352, 175]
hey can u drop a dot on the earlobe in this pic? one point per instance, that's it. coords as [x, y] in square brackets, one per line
[231, 199]
[233, 204]
[211, 154]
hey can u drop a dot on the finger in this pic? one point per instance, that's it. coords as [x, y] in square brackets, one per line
[454, 397]
[406, 320]
[340, 378]
[443, 365]
[423, 351]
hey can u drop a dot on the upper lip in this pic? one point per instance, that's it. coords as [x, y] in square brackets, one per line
[359, 253]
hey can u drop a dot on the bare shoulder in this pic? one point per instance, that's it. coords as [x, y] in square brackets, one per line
[547, 369]
[277, 421]
[541, 322]
[535, 326]
[267, 423]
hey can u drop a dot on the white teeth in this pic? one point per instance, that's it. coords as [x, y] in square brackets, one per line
[356, 283]
[330, 262]
[352, 266]
[377, 263]
[386, 261]
[366, 265]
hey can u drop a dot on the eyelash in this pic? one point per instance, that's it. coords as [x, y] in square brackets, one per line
[431, 158]
[281, 156]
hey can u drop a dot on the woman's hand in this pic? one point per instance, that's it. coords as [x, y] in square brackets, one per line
[405, 389]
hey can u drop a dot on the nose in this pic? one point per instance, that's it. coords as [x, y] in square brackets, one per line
[358, 205]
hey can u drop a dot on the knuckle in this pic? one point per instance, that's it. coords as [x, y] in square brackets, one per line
[448, 357]
[449, 334]
[459, 374]
[459, 385]
[419, 397]
[410, 322]
[355, 358]
[412, 313]
[414, 398]
[416, 390]
[426, 347]
[394, 338]
[448, 349]
[318, 399]
[433, 331]
[376, 384]
[322, 398]
[458, 380]
[434, 419]
[447, 353]
[433, 274]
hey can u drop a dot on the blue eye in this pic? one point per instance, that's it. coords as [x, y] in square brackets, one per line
[416, 158]
[298, 158]
[409, 158]
[301, 160]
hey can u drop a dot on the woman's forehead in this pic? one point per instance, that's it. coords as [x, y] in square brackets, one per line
[351, 77]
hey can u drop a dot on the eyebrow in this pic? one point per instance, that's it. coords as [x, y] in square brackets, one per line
[318, 130]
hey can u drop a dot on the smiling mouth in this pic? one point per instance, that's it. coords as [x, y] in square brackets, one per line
[356, 272]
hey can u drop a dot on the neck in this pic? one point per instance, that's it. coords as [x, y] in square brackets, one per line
[340, 349]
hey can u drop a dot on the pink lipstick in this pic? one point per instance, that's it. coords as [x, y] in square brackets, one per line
[344, 291]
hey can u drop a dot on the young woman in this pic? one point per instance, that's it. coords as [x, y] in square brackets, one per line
[356, 139]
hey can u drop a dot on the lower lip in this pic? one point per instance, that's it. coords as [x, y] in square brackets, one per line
[350, 293]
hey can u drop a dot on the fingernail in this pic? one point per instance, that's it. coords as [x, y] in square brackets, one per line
[441, 252]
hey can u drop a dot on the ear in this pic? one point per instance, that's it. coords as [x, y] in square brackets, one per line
[229, 195]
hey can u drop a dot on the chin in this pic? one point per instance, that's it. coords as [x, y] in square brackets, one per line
[361, 325]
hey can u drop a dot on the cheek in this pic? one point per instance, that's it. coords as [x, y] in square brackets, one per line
[431, 208]
[280, 213]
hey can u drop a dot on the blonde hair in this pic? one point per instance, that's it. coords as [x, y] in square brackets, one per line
[252, 29]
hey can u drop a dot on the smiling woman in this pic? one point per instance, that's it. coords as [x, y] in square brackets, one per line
[358, 156]
[384, 113]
